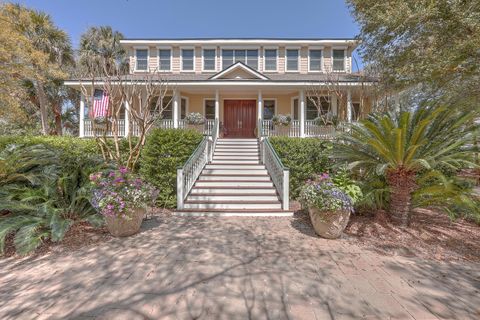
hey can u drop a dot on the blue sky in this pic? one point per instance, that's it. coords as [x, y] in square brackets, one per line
[207, 18]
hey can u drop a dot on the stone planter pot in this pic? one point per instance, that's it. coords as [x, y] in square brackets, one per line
[329, 224]
[123, 228]
[196, 127]
[282, 130]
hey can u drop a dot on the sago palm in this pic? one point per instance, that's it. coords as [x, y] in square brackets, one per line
[398, 146]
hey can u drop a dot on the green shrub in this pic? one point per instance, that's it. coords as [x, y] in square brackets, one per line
[305, 157]
[164, 151]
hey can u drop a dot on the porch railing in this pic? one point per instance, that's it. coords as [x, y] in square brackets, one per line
[279, 173]
[107, 129]
[327, 132]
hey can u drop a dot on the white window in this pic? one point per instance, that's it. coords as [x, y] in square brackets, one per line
[268, 109]
[270, 58]
[295, 109]
[292, 59]
[338, 60]
[187, 60]
[315, 60]
[209, 109]
[249, 57]
[141, 59]
[209, 59]
[312, 110]
[183, 107]
[164, 59]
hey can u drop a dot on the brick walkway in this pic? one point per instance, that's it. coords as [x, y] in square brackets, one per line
[234, 268]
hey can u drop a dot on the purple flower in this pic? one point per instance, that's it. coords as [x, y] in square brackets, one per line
[123, 170]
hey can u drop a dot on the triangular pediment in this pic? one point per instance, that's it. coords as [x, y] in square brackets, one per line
[239, 71]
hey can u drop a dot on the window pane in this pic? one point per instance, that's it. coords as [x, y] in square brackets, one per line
[142, 59]
[167, 103]
[315, 60]
[164, 59]
[338, 60]
[292, 59]
[268, 109]
[183, 108]
[187, 59]
[209, 59]
[227, 58]
[270, 59]
[240, 55]
[210, 109]
[295, 109]
[252, 58]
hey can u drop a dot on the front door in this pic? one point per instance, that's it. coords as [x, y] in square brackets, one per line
[239, 118]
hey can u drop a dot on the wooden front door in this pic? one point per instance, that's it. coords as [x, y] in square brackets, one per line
[239, 118]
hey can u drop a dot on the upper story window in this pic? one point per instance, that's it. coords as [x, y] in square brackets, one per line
[141, 59]
[249, 57]
[292, 59]
[315, 60]
[164, 59]
[209, 59]
[187, 60]
[338, 60]
[270, 60]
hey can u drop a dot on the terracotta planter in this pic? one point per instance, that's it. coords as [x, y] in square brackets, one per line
[329, 224]
[123, 228]
[196, 127]
[283, 130]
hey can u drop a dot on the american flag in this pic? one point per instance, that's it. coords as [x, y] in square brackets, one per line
[100, 104]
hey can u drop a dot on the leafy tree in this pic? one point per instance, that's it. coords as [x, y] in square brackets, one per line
[403, 147]
[429, 45]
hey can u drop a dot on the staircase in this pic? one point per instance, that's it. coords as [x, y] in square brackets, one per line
[234, 183]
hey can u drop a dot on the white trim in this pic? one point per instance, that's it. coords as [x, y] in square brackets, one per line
[158, 58]
[321, 60]
[181, 58]
[215, 59]
[204, 107]
[136, 60]
[276, 62]
[344, 58]
[292, 110]
[81, 130]
[275, 107]
[187, 106]
[298, 59]
[239, 65]
[234, 41]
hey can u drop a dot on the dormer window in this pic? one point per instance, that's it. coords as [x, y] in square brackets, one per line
[338, 60]
[315, 60]
[292, 59]
[164, 59]
[187, 60]
[141, 58]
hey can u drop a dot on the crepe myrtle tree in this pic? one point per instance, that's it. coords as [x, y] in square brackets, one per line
[147, 97]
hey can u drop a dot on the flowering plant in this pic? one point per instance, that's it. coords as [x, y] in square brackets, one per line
[323, 194]
[115, 193]
[282, 120]
[195, 118]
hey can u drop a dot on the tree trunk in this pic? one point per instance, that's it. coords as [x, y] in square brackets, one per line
[57, 111]
[402, 184]
[42, 100]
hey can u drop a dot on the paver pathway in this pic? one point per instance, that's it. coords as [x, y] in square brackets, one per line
[234, 268]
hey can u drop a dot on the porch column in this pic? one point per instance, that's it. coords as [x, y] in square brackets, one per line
[349, 105]
[82, 117]
[217, 111]
[127, 119]
[260, 106]
[176, 104]
[301, 100]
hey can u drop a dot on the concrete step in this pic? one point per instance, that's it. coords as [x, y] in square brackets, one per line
[233, 205]
[236, 161]
[240, 197]
[232, 213]
[235, 190]
[238, 157]
[236, 153]
[232, 183]
[237, 142]
[243, 166]
[220, 177]
[236, 171]
[236, 149]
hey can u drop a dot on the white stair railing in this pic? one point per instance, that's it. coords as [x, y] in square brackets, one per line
[278, 172]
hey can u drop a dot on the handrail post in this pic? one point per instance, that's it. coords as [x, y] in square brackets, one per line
[286, 187]
[179, 188]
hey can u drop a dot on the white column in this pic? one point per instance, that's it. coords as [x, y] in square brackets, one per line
[82, 117]
[176, 106]
[127, 119]
[260, 106]
[333, 98]
[349, 106]
[217, 111]
[301, 101]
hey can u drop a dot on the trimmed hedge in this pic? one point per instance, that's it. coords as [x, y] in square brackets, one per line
[164, 151]
[305, 157]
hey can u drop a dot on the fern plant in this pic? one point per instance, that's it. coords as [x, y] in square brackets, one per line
[43, 199]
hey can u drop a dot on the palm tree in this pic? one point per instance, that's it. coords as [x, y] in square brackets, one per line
[100, 50]
[400, 146]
